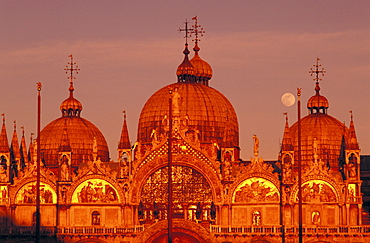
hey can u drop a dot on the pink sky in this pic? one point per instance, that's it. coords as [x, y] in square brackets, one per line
[127, 50]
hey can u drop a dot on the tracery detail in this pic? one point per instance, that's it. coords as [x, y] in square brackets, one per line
[189, 186]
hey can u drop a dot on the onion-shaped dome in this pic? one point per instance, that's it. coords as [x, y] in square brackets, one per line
[205, 109]
[185, 71]
[203, 71]
[71, 106]
[81, 134]
[321, 130]
[317, 103]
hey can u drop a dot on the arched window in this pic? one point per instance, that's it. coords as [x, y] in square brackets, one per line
[189, 187]
[95, 218]
[256, 218]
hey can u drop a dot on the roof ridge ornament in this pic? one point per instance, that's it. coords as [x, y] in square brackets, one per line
[71, 68]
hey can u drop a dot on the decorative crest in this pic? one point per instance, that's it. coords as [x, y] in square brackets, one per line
[197, 30]
[317, 71]
[3, 115]
[71, 68]
[187, 31]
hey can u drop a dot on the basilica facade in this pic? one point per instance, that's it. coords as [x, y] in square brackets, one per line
[216, 196]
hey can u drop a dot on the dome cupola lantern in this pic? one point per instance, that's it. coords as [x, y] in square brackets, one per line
[317, 103]
[71, 106]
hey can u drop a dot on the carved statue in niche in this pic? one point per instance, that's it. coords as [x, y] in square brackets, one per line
[155, 138]
[315, 217]
[287, 167]
[3, 174]
[352, 167]
[176, 102]
[287, 195]
[64, 168]
[256, 218]
[64, 194]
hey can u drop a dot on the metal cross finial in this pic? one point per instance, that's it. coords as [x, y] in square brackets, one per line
[187, 31]
[286, 115]
[197, 30]
[70, 67]
[317, 71]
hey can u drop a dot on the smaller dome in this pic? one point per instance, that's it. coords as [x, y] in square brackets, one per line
[202, 68]
[318, 103]
[71, 106]
[185, 68]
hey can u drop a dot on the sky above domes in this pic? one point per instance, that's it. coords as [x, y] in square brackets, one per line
[127, 50]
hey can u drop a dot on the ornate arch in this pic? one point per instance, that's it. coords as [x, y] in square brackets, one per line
[317, 185]
[71, 191]
[181, 160]
[255, 189]
[26, 192]
[240, 180]
[158, 230]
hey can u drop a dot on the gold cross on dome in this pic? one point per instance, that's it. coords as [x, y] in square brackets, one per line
[317, 71]
[197, 30]
[71, 68]
[187, 31]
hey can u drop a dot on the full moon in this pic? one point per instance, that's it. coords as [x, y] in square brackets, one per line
[288, 99]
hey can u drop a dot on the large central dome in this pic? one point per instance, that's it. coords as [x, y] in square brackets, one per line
[204, 109]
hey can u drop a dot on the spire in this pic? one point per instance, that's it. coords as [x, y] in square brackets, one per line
[4, 145]
[31, 149]
[124, 142]
[23, 148]
[352, 140]
[14, 147]
[287, 144]
[185, 71]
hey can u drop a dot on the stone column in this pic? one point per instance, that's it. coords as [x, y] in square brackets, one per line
[359, 214]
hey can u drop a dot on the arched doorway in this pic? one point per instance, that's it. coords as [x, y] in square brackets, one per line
[183, 231]
[177, 237]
